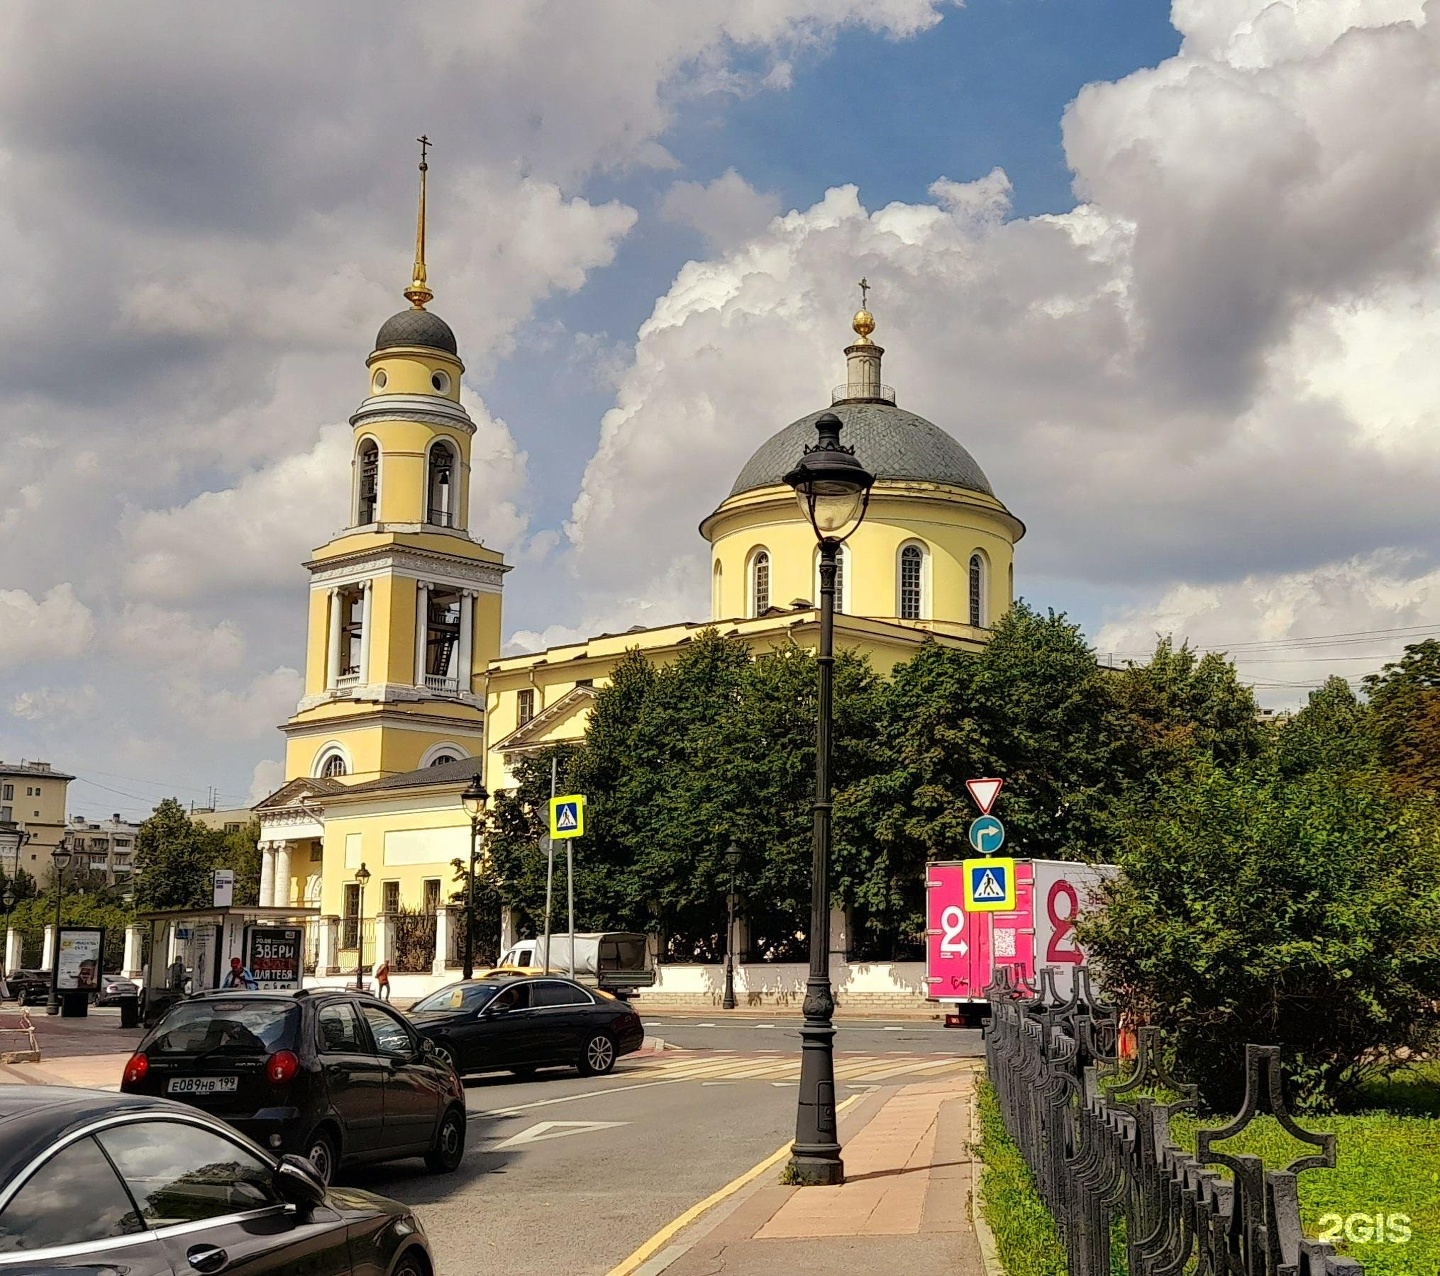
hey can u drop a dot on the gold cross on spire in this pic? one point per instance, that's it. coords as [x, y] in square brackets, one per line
[864, 293]
[419, 291]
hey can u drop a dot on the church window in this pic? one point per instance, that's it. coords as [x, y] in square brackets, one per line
[912, 569]
[369, 503]
[760, 583]
[442, 486]
[378, 381]
[977, 590]
[389, 897]
[333, 767]
[443, 759]
[431, 898]
[524, 706]
[350, 919]
[442, 640]
[352, 631]
[440, 381]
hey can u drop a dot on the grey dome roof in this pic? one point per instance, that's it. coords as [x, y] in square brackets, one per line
[888, 441]
[416, 328]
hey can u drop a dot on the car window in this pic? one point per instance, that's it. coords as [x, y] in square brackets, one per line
[551, 992]
[457, 997]
[227, 1025]
[43, 1213]
[339, 1027]
[516, 997]
[392, 1038]
[179, 1173]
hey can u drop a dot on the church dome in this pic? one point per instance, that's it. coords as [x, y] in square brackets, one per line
[890, 442]
[416, 327]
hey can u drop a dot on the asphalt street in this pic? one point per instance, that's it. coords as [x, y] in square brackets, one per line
[571, 1174]
[748, 1032]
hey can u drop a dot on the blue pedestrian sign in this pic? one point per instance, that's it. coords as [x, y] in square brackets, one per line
[989, 885]
[987, 835]
[567, 816]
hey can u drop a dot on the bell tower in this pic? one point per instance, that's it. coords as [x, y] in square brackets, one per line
[404, 603]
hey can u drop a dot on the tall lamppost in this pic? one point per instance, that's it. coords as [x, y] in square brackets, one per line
[362, 876]
[60, 858]
[474, 800]
[8, 900]
[833, 489]
[732, 861]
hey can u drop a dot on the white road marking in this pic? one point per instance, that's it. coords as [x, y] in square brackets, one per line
[764, 1025]
[893, 1028]
[570, 1098]
[554, 1130]
[651, 1023]
[780, 1085]
[704, 1025]
[704, 1083]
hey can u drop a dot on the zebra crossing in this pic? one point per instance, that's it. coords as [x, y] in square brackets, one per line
[725, 1065]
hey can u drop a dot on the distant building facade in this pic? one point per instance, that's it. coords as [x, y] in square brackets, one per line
[32, 796]
[106, 846]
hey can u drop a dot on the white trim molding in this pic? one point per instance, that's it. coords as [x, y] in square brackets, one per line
[427, 758]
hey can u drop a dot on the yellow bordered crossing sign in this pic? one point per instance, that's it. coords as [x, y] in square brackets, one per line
[567, 816]
[989, 885]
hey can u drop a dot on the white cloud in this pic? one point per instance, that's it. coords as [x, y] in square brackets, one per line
[726, 211]
[48, 705]
[250, 712]
[149, 635]
[268, 776]
[57, 626]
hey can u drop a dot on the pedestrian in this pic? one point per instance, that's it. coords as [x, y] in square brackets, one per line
[382, 980]
[238, 977]
[177, 975]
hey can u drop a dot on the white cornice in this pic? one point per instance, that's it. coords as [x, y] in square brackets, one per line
[414, 407]
[412, 564]
[396, 717]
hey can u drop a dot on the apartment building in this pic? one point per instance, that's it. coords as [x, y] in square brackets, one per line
[106, 846]
[32, 796]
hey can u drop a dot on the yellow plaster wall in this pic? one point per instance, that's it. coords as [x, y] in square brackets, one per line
[441, 817]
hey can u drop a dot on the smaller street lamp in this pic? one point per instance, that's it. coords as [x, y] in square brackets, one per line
[475, 799]
[732, 862]
[362, 876]
[8, 900]
[60, 858]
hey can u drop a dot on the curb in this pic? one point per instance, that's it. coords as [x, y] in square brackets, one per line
[989, 1258]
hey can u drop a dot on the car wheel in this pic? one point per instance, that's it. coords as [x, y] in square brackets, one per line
[446, 1054]
[410, 1265]
[322, 1155]
[449, 1149]
[598, 1057]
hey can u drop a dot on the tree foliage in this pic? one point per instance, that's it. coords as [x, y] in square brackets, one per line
[175, 857]
[1405, 703]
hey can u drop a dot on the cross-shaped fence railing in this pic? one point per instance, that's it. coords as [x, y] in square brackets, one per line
[1101, 1153]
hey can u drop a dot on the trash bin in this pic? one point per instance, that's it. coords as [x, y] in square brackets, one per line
[129, 1012]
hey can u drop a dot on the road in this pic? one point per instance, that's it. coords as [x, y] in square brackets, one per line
[569, 1174]
[746, 1031]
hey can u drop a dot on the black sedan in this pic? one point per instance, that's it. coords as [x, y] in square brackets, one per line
[29, 987]
[332, 1075]
[117, 1183]
[502, 1023]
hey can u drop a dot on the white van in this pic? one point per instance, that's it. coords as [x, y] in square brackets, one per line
[617, 961]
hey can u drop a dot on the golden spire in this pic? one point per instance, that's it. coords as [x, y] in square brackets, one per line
[419, 291]
[864, 321]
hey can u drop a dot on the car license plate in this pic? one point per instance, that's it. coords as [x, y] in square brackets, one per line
[202, 1085]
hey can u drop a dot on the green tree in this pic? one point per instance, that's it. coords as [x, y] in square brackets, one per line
[1298, 912]
[174, 859]
[240, 851]
[1334, 731]
[1405, 702]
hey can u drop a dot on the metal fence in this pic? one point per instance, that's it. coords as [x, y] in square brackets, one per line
[1101, 1154]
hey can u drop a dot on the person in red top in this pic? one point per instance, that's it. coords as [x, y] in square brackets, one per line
[382, 980]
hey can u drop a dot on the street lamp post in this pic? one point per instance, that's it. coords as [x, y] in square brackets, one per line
[474, 799]
[60, 858]
[8, 899]
[732, 860]
[833, 490]
[362, 876]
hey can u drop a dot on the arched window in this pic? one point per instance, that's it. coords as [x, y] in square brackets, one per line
[333, 767]
[912, 582]
[760, 583]
[715, 595]
[840, 556]
[977, 590]
[442, 759]
[367, 507]
[442, 486]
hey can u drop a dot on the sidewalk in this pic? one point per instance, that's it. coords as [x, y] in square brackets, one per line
[98, 1071]
[905, 1205]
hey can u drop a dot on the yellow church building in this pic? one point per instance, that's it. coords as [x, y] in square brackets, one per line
[407, 696]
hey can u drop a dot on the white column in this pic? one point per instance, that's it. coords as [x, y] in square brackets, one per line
[48, 955]
[134, 936]
[839, 936]
[267, 874]
[328, 959]
[442, 940]
[332, 668]
[282, 875]
[366, 597]
[422, 626]
[13, 953]
[467, 625]
[507, 927]
[384, 937]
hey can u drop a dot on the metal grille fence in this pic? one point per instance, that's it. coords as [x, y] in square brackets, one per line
[1103, 1154]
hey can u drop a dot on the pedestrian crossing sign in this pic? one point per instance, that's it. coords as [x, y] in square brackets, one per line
[567, 816]
[989, 885]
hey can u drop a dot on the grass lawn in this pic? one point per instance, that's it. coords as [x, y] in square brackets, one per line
[1025, 1238]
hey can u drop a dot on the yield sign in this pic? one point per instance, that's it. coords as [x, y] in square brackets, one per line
[554, 1130]
[984, 792]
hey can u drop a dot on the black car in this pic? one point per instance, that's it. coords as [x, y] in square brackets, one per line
[29, 987]
[521, 1024]
[120, 1183]
[332, 1075]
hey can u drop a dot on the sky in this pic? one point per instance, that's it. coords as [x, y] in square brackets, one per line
[1171, 277]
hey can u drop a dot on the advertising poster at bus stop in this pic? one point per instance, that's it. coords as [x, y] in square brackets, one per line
[78, 965]
[274, 955]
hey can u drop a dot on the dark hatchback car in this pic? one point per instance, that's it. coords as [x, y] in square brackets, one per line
[107, 1183]
[504, 1023]
[332, 1075]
